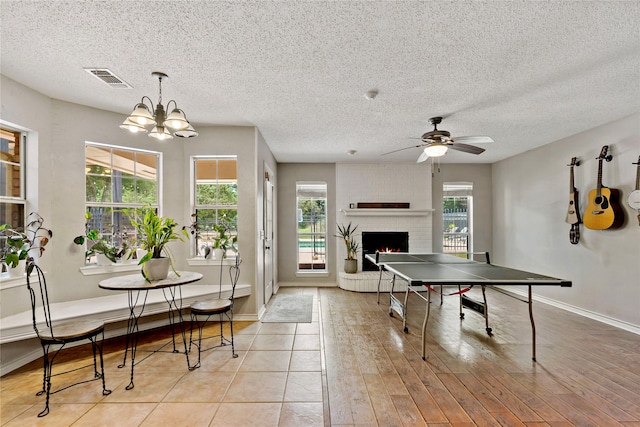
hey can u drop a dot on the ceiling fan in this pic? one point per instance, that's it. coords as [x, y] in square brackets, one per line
[437, 142]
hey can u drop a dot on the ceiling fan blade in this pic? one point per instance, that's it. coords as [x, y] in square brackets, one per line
[466, 148]
[423, 157]
[402, 149]
[473, 139]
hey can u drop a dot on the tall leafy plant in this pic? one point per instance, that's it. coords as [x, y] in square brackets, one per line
[346, 233]
[154, 232]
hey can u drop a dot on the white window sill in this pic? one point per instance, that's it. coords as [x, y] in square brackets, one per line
[91, 270]
[8, 282]
[200, 261]
[312, 274]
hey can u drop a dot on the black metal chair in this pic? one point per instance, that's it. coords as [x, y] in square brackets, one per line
[55, 336]
[202, 311]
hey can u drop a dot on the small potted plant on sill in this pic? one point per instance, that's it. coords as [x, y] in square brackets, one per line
[106, 252]
[225, 239]
[195, 230]
[20, 244]
[345, 232]
[153, 232]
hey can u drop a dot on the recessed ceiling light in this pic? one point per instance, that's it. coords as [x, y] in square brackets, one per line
[351, 152]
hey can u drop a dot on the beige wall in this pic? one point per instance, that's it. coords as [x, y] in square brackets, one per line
[288, 175]
[531, 197]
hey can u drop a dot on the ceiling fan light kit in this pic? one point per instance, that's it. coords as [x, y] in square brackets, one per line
[436, 150]
[176, 121]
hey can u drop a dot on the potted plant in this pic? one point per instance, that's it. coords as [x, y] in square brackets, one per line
[346, 233]
[194, 230]
[224, 238]
[105, 251]
[153, 232]
[20, 244]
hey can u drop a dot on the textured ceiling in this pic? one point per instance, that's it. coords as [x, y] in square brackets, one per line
[524, 73]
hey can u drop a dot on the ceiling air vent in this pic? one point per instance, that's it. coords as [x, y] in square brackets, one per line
[105, 75]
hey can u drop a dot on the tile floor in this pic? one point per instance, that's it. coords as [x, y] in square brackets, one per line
[275, 381]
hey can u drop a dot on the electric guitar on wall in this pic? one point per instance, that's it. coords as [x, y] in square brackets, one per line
[603, 211]
[634, 197]
[573, 213]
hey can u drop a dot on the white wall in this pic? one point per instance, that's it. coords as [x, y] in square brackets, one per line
[531, 197]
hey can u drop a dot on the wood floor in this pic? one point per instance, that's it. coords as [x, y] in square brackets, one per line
[354, 366]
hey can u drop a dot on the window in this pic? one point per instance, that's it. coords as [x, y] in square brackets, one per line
[312, 226]
[119, 178]
[457, 202]
[215, 198]
[12, 191]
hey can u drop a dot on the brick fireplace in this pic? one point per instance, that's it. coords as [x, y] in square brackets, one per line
[388, 182]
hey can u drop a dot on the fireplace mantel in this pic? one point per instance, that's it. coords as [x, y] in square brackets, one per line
[386, 212]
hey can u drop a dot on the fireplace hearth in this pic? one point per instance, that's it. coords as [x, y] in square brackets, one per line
[382, 241]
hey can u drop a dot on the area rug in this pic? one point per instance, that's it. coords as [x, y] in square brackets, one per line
[288, 308]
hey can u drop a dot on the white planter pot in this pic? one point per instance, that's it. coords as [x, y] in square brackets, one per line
[102, 260]
[19, 270]
[157, 268]
[218, 253]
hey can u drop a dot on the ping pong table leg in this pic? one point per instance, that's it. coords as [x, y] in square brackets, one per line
[404, 309]
[460, 300]
[486, 312]
[379, 281]
[393, 283]
[533, 327]
[424, 326]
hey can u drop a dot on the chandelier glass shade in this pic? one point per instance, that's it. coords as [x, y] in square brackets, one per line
[164, 126]
[435, 150]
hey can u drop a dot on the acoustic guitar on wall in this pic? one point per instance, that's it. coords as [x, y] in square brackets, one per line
[573, 212]
[603, 211]
[634, 197]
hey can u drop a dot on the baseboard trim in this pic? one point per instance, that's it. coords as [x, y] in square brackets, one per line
[579, 311]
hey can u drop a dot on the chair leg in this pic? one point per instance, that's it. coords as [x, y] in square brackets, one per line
[194, 319]
[105, 391]
[233, 349]
[46, 381]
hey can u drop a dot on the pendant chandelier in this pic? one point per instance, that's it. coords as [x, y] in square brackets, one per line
[163, 126]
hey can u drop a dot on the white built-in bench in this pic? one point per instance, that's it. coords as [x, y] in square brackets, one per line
[111, 309]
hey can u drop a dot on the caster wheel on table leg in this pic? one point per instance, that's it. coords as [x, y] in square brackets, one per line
[406, 330]
[489, 331]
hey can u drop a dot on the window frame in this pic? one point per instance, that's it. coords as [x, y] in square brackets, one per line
[22, 164]
[116, 207]
[196, 255]
[458, 190]
[324, 235]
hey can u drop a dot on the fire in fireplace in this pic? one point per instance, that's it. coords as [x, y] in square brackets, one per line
[382, 241]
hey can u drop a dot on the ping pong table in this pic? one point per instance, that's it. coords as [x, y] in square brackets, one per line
[423, 271]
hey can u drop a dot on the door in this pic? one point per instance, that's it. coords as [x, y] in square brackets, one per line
[268, 238]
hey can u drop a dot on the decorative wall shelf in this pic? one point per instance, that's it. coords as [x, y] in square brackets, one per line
[386, 212]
